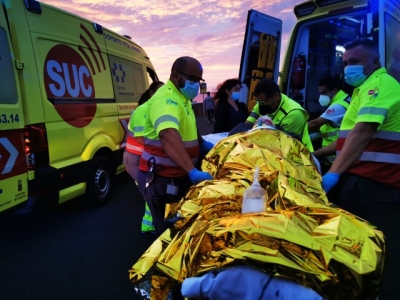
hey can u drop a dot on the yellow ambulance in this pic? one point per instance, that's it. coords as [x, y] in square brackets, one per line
[315, 47]
[67, 89]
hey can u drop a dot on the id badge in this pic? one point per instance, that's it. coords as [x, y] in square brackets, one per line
[172, 189]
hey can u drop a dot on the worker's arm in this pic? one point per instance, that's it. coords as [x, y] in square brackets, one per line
[355, 144]
[326, 151]
[254, 115]
[315, 125]
[173, 145]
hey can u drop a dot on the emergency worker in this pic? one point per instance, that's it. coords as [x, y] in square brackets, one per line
[368, 152]
[286, 113]
[135, 144]
[328, 123]
[171, 141]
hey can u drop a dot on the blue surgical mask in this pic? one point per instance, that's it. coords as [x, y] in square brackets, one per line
[190, 90]
[235, 96]
[354, 75]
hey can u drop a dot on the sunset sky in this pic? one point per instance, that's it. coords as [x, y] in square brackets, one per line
[212, 31]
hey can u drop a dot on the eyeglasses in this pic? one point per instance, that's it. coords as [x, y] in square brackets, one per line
[192, 78]
[262, 102]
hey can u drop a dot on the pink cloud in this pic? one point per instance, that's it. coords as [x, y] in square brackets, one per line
[210, 30]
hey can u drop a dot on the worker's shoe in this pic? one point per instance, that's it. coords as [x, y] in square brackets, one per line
[148, 230]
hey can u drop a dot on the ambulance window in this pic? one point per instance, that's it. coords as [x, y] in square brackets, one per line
[128, 79]
[139, 80]
[392, 47]
[8, 94]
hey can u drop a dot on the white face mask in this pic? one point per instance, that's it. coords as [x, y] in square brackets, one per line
[325, 100]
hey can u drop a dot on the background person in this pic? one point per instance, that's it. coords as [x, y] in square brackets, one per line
[209, 107]
[368, 147]
[171, 141]
[286, 113]
[328, 123]
[135, 144]
[229, 111]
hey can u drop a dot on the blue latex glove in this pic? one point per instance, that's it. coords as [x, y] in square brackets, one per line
[329, 180]
[206, 146]
[197, 176]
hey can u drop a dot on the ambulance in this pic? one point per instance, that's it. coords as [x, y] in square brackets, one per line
[315, 47]
[67, 89]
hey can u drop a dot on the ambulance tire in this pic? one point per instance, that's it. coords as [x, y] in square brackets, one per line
[100, 180]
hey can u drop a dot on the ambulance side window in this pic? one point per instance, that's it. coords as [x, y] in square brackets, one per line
[128, 79]
[8, 91]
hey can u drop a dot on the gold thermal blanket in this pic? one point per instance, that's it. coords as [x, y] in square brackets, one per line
[301, 236]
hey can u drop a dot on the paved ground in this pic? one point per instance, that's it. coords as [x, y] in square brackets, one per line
[77, 251]
[203, 126]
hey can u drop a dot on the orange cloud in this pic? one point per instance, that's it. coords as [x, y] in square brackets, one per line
[210, 30]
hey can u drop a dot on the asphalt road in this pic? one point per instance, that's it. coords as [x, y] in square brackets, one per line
[75, 251]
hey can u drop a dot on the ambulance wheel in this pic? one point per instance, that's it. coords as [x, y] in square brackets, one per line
[100, 180]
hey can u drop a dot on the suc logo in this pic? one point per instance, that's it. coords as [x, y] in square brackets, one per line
[67, 77]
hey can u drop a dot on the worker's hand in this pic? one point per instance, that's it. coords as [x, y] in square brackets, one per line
[197, 176]
[329, 180]
[206, 146]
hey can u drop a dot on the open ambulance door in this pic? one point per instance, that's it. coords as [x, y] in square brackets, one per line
[260, 54]
[13, 170]
[390, 47]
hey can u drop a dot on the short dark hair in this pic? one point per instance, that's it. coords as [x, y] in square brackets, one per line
[180, 64]
[367, 44]
[208, 94]
[330, 83]
[267, 87]
[155, 85]
[146, 95]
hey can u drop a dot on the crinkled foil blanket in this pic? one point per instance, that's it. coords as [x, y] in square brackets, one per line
[302, 236]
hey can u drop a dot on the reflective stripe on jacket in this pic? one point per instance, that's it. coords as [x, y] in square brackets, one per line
[168, 109]
[377, 100]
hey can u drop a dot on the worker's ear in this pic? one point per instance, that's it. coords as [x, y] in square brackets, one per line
[175, 75]
[334, 92]
[175, 78]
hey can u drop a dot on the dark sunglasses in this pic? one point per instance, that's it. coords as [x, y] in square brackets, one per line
[192, 78]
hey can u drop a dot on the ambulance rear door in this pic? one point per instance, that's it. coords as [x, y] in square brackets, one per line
[13, 171]
[260, 54]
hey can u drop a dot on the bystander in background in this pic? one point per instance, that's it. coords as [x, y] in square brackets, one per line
[229, 112]
[209, 107]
